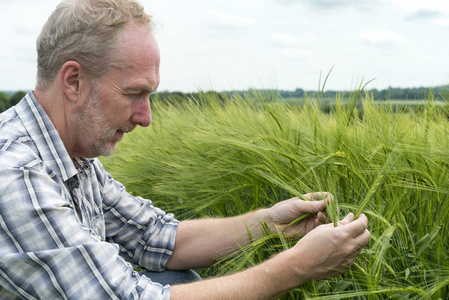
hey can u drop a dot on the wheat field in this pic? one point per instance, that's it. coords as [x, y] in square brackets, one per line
[222, 156]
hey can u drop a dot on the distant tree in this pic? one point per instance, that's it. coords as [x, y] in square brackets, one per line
[4, 101]
[299, 93]
[15, 98]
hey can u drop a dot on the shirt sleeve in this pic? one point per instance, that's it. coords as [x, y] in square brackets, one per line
[145, 233]
[46, 254]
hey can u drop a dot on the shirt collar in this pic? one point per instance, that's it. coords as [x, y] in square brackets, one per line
[45, 136]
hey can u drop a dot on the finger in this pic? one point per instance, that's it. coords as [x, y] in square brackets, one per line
[348, 219]
[357, 227]
[363, 239]
[322, 218]
[330, 198]
[319, 196]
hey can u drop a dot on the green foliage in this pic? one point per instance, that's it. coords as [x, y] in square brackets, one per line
[221, 155]
[16, 97]
[4, 101]
[7, 100]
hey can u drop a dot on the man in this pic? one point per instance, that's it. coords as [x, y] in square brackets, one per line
[69, 231]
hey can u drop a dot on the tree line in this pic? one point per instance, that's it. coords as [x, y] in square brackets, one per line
[421, 93]
[7, 100]
[440, 93]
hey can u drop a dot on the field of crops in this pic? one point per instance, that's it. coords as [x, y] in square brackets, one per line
[210, 157]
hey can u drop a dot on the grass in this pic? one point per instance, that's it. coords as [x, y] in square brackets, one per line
[209, 157]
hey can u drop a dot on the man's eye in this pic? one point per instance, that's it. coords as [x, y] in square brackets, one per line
[139, 95]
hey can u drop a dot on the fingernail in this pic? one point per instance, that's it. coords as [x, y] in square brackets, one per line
[349, 216]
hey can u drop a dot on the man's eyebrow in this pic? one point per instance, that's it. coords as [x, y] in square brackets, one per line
[138, 89]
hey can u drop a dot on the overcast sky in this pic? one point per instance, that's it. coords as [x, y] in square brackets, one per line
[281, 44]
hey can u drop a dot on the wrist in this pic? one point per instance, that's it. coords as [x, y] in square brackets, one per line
[291, 268]
[263, 216]
[300, 264]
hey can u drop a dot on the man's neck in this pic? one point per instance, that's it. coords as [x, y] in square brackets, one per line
[53, 102]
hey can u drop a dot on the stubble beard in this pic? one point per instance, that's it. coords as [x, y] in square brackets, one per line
[97, 127]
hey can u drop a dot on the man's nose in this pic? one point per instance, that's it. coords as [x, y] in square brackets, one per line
[142, 113]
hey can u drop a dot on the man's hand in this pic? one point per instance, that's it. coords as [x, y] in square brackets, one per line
[328, 251]
[283, 213]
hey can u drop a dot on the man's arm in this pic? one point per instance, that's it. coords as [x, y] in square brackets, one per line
[200, 242]
[325, 252]
[45, 253]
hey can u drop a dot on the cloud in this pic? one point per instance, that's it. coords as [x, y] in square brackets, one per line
[442, 22]
[292, 47]
[293, 21]
[25, 29]
[435, 11]
[297, 54]
[382, 37]
[283, 40]
[415, 6]
[333, 4]
[218, 18]
[288, 2]
[424, 14]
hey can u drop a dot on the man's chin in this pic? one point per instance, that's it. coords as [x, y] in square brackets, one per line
[106, 149]
[109, 152]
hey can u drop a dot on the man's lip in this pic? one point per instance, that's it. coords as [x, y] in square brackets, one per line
[125, 131]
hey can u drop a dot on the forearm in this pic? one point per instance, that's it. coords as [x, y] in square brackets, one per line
[324, 252]
[200, 242]
[268, 280]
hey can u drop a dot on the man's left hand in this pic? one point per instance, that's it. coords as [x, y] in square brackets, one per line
[285, 212]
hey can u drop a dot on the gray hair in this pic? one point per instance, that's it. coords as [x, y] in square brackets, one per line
[86, 31]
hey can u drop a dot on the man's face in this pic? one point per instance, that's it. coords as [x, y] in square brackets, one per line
[120, 101]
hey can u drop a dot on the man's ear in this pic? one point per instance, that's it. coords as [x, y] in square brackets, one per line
[71, 80]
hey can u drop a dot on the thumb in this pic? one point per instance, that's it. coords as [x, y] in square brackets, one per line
[313, 206]
[316, 206]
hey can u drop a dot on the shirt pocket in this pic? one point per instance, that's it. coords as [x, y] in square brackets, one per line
[97, 226]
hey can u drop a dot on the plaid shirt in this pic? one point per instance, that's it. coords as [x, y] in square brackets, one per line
[67, 229]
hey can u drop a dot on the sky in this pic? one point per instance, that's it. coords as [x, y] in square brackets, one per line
[227, 45]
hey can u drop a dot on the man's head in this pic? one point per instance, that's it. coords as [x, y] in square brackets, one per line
[88, 32]
[120, 101]
[98, 63]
